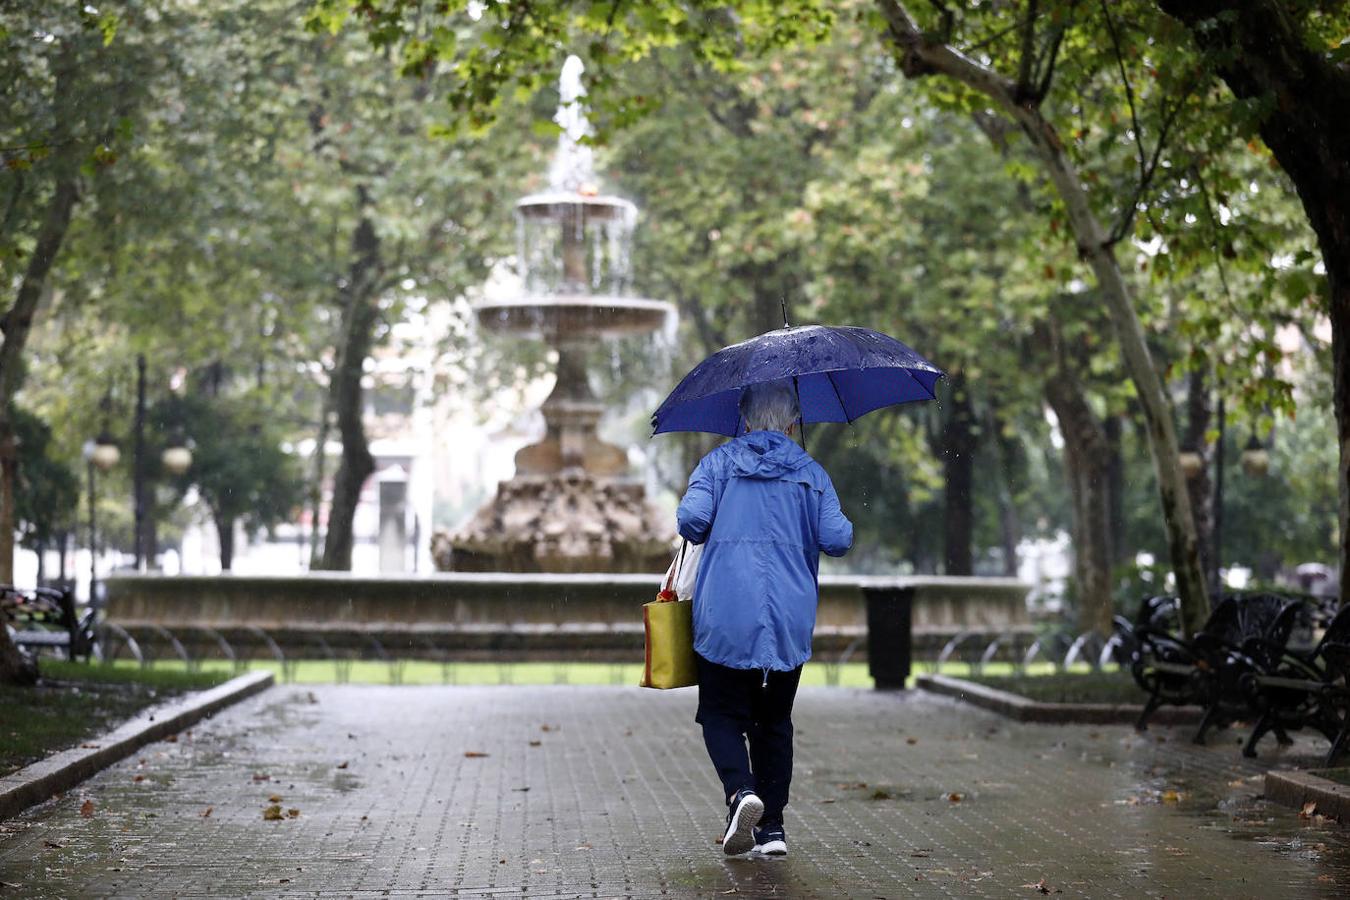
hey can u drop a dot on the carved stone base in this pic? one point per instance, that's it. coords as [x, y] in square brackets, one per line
[562, 522]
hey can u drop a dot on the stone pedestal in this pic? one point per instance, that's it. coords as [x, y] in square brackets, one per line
[570, 507]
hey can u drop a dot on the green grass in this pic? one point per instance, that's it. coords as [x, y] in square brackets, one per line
[1071, 687]
[76, 701]
[416, 671]
[1338, 775]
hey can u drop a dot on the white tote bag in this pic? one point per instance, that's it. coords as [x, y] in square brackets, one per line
[683, 571]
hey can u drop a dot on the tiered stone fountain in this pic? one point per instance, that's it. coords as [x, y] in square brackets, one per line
[572, 505]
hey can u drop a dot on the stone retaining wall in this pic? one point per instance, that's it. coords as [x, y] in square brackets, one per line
[517, 615]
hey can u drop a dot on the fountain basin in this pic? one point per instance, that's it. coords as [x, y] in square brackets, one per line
[575, 316]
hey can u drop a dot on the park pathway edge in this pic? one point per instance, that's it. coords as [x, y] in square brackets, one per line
[1021, 709]
[60, 772]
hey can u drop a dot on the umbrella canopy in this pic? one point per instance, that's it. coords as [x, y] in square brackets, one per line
[841, 373]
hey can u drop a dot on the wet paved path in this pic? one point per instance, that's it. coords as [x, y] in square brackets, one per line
[606, 792]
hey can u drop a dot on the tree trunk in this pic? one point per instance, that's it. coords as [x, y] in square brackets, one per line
[16, 324]
[1010, 526]
[316, 489]
[1201, 487]
[225, 533]
[9, 467]
[359, 315]
[920, 55]
[958, 470]
[1115, 491]
[1262, 55]
[1087, 464]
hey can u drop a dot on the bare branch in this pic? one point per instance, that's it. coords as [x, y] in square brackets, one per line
[1048, 73]
[921, 55]
[1150, 168]
[1027, 64]
[1129, 89]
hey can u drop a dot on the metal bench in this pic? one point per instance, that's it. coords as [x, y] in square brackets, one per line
[1245, 634]
[46, 618]
[1296, 690]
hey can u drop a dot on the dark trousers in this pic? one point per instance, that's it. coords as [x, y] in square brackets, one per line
[736, 705]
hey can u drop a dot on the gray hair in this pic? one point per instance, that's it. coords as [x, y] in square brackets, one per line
[770, 405]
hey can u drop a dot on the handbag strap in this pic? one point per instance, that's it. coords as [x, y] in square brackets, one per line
[673, 575]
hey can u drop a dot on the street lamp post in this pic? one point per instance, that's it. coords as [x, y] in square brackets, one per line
[138, 468]
[1255, 462]
[101, 454]
[1218, 505]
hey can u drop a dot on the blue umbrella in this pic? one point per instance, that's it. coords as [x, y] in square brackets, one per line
[841, 373]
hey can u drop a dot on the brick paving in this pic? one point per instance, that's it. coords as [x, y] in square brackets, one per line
[606, 792]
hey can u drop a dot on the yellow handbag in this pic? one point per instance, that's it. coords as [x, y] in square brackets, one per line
[669, 626]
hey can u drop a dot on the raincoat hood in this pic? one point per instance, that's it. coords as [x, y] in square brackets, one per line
[767, 454]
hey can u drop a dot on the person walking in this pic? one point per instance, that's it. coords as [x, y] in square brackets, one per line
[765, 511]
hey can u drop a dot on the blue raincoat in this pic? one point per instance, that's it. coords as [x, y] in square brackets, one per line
[765, 510]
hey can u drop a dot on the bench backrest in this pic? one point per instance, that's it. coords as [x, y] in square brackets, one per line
[38, 606]
[1337, 633]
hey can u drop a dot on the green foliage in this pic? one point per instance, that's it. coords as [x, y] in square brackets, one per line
[238, 466]
[47, 490]
[494, 52]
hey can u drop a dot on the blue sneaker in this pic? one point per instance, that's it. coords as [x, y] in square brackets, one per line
[742, 817]
[771, 840]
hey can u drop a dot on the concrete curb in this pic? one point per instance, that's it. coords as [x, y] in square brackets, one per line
[1297, 788]
[1015, 706]
[62, 771]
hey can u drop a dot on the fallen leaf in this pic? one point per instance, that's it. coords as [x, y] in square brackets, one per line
[474, 754]
[87, 809]
[261, 776]
[293, 813]
[1309, 809]
[953, 797]
[138, 778]
[550, 728]
[880, 794]
[207, 814]
[830, 800]
[911, 740]
[536, 743]
[171, 739]
[1170, 796]
[272, 813]
[274, 798]
[342, 765]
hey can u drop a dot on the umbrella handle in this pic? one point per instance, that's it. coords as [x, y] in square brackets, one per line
[801, 416]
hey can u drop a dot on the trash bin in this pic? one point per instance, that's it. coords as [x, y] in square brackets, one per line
[889, 633]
